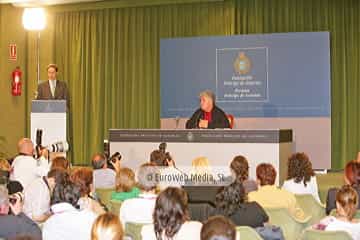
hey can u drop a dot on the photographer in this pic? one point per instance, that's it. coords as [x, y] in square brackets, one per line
[170, 175]
[105, 170]
[17, 223]
[25, 168]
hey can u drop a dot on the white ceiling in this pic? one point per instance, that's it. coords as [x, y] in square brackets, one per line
[31, 3]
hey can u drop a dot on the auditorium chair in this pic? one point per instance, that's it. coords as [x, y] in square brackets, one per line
[311, 207]
[104, 194]
[357, 214]
[114, 206]
[247, 233]
[231, 120]
[291, 227]
[312, 234]
[133, 230]
[201, 201]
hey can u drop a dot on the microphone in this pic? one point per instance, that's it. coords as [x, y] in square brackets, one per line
[177, 121]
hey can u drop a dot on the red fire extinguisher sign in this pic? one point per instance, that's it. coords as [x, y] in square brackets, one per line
[12, 52]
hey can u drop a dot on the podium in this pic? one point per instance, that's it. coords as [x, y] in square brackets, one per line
[50, 116]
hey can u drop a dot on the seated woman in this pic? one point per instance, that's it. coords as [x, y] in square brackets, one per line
[143, 205]
[68, 220]
[5, 169]
[240, 171]
[83, 178]
[201, 172]
[352, 178]
[346, 206]
[60, 162]
[269, 195]
[107, 227]
[171, 218]
[125, 185]
[301, 178]
[218, 227]
[231, 202]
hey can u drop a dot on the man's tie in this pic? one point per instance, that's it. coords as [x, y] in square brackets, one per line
[52, 88]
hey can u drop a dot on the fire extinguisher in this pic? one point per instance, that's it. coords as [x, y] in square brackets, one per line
[16, 82]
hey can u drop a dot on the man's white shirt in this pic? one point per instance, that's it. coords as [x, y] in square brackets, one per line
[26, 169]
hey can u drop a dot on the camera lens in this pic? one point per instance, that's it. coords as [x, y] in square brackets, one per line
[12, 200]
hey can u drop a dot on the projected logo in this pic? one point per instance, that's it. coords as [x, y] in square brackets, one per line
[242, 74]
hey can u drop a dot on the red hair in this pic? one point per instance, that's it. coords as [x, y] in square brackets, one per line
[352, 172]
[266, 174]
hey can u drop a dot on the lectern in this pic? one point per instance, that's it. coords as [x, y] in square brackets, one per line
[50, 116]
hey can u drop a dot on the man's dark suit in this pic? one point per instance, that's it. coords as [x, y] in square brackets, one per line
[61, 91]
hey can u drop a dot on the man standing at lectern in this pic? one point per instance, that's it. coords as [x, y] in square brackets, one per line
[208, 115]
[52, 89]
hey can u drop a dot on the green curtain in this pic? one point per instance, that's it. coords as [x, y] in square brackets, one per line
[110, 59]
[342, 20]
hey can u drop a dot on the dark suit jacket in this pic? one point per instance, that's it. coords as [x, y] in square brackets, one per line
[219, 119]
[61, 91]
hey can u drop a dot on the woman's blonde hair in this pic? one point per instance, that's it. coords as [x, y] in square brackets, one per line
[201, 165]
[4, 165]
[347, 199]
[107, 227]
[125, 180]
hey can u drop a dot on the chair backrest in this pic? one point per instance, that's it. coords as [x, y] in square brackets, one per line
[334, 213]
[133, 230]
[104, 194]
[202, 194]
[311, 234]
[290, 226]
[247, 233]
[311, 207]
[114, 206]
[231, 120]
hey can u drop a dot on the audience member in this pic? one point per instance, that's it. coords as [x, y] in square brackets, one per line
[351, 177]
[232, 203]
[104, 177]
[37, 195]
[200, 166]
[346, 206]
[218, 228]
[301, 177]
[159, 158]
[16, 223]
[144, 204]
[171, 218]
[107, 227]
[125, 185]
[240, 170]
[25, 168]
[4, 171]
[60, 162]
[169, 175]
[83, 178]
[268, 195]
[68, 220]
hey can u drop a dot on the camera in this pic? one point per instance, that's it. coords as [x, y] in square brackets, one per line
[162, 149]
[16, 197]
[61, 146]
[58, 147]
[111, 160]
